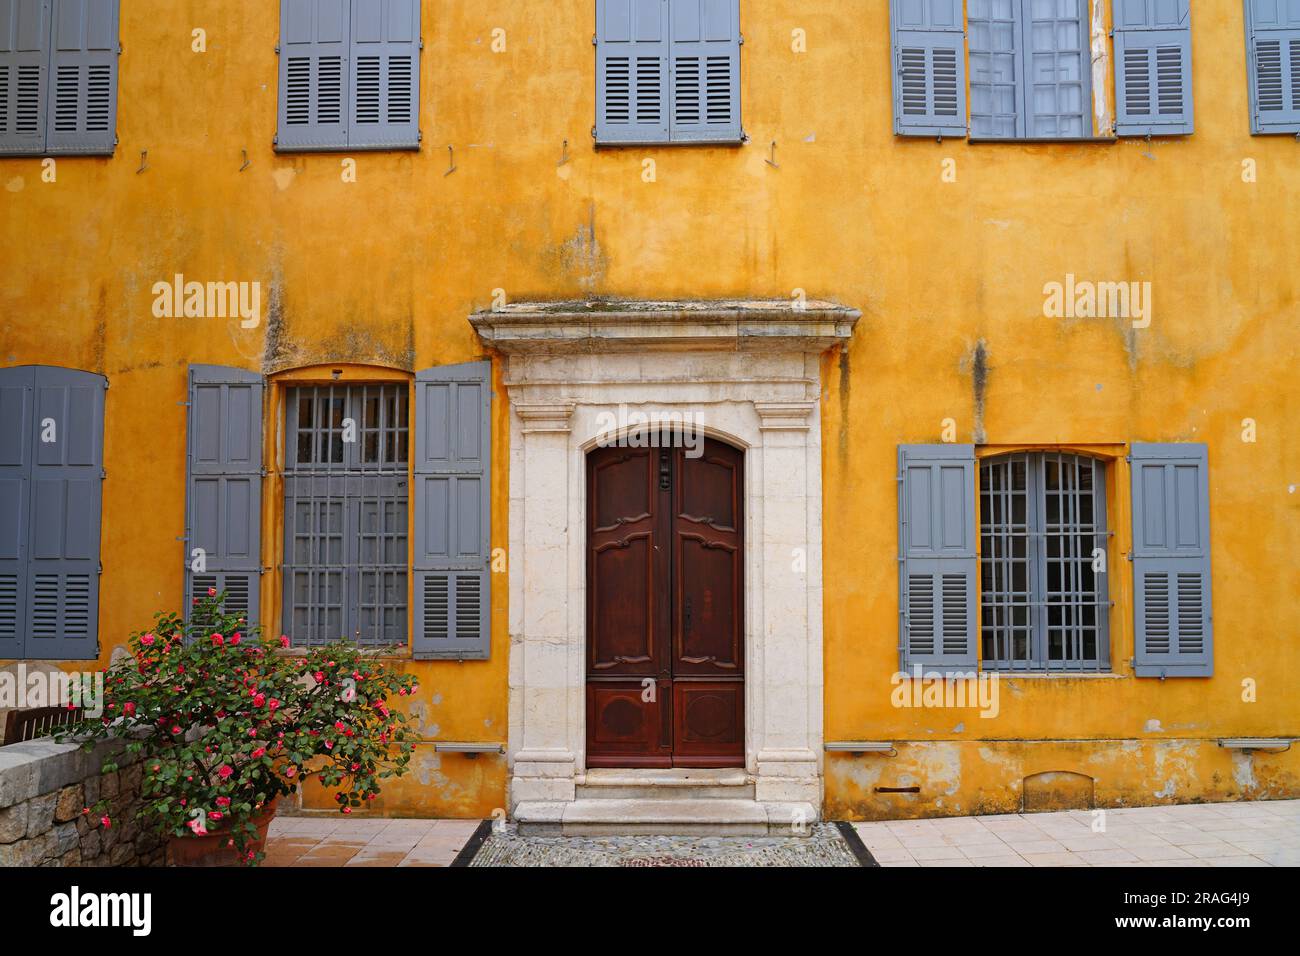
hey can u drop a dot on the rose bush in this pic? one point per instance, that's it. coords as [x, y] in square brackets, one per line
[225, 722]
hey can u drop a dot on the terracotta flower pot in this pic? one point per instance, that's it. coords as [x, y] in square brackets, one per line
[211, 849]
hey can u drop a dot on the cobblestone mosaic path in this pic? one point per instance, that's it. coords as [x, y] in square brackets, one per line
[823, 847]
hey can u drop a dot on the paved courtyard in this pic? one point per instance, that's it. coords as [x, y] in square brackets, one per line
[335, 841]
[1260, 833]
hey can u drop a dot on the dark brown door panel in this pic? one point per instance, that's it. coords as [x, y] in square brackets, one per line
[624, 729]
[708, 724]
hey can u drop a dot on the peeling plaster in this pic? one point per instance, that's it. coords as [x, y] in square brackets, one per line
[1243, 770]
[1100, 69]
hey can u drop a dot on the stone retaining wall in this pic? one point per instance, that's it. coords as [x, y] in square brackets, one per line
[44, 786]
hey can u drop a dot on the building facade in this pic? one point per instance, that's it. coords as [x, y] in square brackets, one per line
[882, 409]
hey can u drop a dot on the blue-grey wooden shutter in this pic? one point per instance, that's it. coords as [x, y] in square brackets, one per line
[929, 40]
[1171, 561]
[314, 84]
[997, 87]
[16, 388]
[705, 63]
[1153, 67]
[81, 116]
[24, 62]
[385, 75]
[1274, 61]
[452, 490]
[937, 560]
[223, 491]
[632, 99]
[1057, 69]
[66, 497]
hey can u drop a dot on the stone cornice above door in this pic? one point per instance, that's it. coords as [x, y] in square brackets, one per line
[739, 325]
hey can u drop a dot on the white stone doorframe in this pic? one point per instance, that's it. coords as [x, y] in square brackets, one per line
[751, 372]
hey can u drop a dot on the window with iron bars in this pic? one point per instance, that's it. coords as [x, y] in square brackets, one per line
[1044, 602]
[346, 491]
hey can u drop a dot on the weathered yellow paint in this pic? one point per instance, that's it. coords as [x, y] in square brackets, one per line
[381, 274]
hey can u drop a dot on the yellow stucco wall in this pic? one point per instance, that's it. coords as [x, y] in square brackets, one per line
[949, 277]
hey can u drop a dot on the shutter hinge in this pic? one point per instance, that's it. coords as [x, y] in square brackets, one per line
[119, 48]
[103, 474]
[419, 136]
[264, 472]
[277, 49]
[593, 132]
[421, 43]
[186, 404]
[594, 40]
[1129, 555]
[742, 39]
[1128, 459]
[101, 568]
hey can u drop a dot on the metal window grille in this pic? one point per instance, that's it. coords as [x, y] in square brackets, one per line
[346, 498]
[1043, 604]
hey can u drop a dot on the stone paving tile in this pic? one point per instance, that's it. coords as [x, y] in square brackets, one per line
[1263, 833]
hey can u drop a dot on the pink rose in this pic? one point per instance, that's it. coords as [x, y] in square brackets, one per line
[215, 815]
[225, 771]
[273, 703]
[197, 826]
[284, 640]
[235, 638]
[218, 639]
[128, 708]
[147, 640]
[212, 592]
[108, 824]
[259, 700]
[259, 752]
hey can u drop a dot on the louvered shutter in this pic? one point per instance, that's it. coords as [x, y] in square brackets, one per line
[1153, 67]
[929, 67]
[1171, 561]
[16, 387]
[632, 99]
[452, 511]
[314, 84]
[385, 74]
[81, 115]
[937, 561]
[24, 60]
[1274, 63]
[65, 511]
[223, 491]
[705, 66]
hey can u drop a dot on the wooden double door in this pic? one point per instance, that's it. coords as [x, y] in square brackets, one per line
[665, 623]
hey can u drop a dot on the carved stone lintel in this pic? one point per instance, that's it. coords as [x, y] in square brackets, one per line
[556, 417]
[785, 416]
